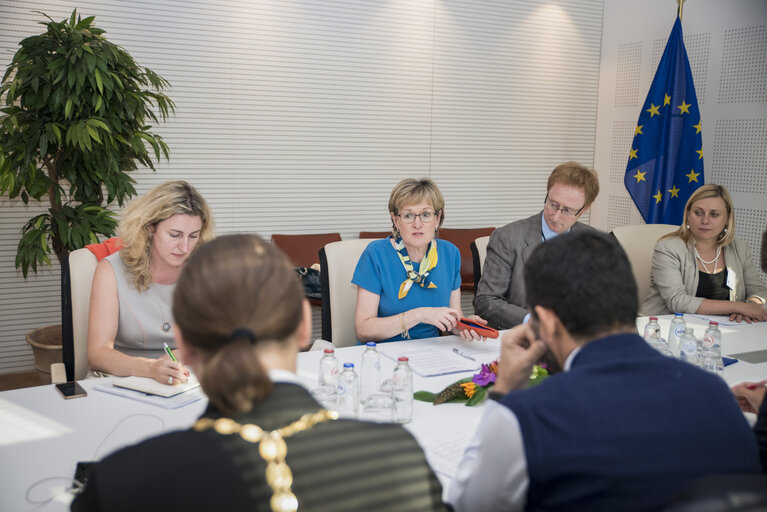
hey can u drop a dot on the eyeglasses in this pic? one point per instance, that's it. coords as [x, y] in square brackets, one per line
[426, 217]
[566, 210]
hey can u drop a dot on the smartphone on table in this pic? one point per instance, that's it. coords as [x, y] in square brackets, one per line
[70, 390]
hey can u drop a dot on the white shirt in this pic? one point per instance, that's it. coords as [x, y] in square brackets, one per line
[493, 473]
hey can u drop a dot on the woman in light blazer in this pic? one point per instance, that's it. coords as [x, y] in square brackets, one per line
[702, 268]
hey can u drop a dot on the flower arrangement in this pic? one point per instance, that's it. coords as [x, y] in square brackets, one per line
[473, 390]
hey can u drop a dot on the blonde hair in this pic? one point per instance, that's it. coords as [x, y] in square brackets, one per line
[234, 295]
[705, 192]
[411, 191]
[576, 175]
[157, 205]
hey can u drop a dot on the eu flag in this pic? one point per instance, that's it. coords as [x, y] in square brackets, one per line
[666, 160]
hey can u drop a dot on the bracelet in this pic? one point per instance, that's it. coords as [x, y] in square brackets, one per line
[405, 333]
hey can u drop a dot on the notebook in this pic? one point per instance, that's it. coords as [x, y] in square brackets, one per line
[152, 387]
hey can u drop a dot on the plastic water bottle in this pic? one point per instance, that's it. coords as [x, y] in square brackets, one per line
[652, 332]
[348, 392]
[711, 349]
[370, 372]
[329, 369]
[688, 347]
[675, 332]
[402, 389]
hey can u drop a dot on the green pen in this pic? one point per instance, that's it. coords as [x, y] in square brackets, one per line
[169, 352]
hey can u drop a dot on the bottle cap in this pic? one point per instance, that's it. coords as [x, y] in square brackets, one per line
[403, 358]
[348, 365]
[371, 343]
[713, 324]
[679, 314]
[329, 351]
[654, 318]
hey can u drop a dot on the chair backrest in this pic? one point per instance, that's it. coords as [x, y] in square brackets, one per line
[303, 250]
[462, 238]
[639, 241]
[339, 296]
[374, 234]
[478, 253]
[82, 266]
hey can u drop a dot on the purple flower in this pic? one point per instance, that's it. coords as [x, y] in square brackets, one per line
[485, 376]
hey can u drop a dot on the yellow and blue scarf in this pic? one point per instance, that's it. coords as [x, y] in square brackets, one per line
[421, 277]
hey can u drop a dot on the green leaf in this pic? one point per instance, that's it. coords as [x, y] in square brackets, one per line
[425, 396]
[68, 108]
[99, 103]
[99, 83]
[85, 23]
[478, 397]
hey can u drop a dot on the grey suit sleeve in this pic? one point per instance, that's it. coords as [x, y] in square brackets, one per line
[491, 302]
[667, 275]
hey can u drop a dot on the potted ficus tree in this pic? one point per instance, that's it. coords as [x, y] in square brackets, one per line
[74, 122]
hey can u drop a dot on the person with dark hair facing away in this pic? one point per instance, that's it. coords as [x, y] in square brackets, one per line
[263, 443]
[622, 427]
[750, 395]
[500, 297]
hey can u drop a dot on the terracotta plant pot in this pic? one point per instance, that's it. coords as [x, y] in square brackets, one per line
[47, 347]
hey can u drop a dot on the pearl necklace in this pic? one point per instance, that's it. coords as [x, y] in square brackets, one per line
[705, 263]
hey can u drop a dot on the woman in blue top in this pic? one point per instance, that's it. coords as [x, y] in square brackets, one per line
[409, 283]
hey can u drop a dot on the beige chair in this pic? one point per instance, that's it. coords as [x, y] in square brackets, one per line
[639, 241]
[82, 265]
[339, 296]
[478, 253]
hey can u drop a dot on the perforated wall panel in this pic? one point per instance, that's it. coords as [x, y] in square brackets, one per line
[629, 57]
[739, 159]
[744, 64]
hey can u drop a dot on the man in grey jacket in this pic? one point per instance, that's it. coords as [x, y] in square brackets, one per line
[500, 297]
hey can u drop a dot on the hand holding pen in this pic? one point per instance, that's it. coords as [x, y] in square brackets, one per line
[169, 370]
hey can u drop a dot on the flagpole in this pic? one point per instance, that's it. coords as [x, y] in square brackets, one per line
[681, 4]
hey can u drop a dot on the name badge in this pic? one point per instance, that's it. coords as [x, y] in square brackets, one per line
[731, 279]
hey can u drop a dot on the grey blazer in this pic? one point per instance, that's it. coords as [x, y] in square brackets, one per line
[674, 277]
[500, 297]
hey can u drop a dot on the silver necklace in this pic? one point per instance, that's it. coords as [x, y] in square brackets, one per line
[705, 263]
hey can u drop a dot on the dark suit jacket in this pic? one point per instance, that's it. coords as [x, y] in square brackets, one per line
[500, 297]
[339, 465]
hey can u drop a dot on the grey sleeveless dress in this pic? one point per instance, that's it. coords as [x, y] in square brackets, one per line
[143, 315]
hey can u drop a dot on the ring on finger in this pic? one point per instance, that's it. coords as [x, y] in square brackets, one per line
[170, 380]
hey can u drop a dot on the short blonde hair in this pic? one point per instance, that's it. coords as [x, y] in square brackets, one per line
[576, 175]
[705, 192]
[412, 191]
[157, 205]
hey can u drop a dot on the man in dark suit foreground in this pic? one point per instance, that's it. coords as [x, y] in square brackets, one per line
[622, 428]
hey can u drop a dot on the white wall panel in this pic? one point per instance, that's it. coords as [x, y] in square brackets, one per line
[299, 116]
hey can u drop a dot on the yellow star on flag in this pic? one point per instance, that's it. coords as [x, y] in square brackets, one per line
[698, 126]
[653, 110]
[700, 153]
[693, 176]
[667, 100]
[684, 108]
[633, 154]
[640, 176]
[657, 197]
[638, 130]
[674, 191]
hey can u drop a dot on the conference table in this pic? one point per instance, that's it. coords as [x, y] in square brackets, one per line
[43, 436]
